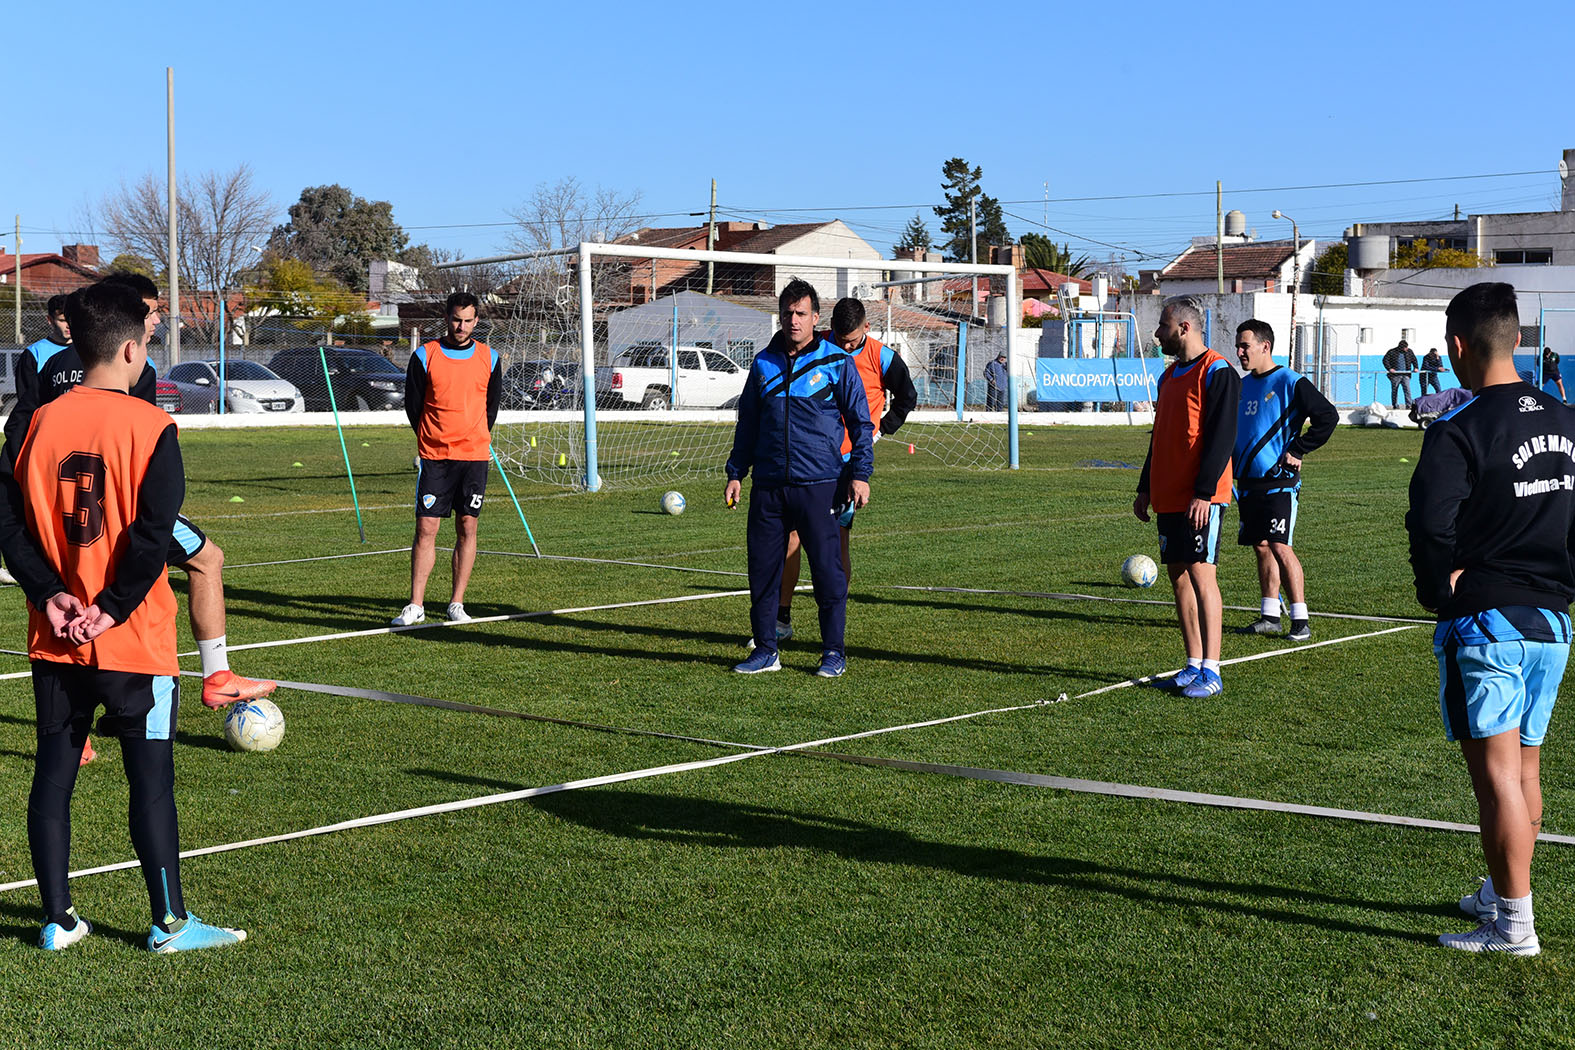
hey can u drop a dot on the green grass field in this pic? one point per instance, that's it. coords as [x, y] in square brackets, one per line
[790, 899]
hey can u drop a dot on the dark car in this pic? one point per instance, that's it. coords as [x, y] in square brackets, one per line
[363, 379]
[541, 385]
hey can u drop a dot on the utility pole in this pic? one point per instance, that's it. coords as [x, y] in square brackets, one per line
[18, 250]
[1219, 236]
[973, 253]
[710, 243]
[173, 321]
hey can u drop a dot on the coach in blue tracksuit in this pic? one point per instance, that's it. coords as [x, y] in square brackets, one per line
[802, 396]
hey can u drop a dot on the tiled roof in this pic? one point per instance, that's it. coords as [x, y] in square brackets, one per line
[770, 240]
[1254, 261]
[663, 237]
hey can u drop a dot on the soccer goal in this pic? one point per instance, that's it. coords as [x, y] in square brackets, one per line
[629, 358]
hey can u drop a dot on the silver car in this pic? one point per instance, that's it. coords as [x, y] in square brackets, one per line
[248, 386]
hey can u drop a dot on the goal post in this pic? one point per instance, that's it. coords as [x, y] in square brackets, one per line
[631, 357]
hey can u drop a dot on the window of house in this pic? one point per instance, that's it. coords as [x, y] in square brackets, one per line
[1526, 256]
[1365, 335]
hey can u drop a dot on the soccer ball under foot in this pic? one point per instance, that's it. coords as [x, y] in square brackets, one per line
[254, 725]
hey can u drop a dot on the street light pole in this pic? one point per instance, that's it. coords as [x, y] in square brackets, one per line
[1296, 280]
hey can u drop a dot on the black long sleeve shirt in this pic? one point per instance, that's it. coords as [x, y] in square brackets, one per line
[1493, 495]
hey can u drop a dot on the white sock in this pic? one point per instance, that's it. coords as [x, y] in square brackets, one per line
[215, 657]
[1298, 610]
[1514, 917]
[1271, 608]
[1212, 665]
[1195, 661]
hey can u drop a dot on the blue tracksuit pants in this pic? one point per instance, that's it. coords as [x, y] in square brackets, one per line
[774, 512]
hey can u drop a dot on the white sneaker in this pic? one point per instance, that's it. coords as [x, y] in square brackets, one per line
[784, 632]
[1482, 904]
[5, 575]
[1487, 938]
[457, 613]
[410, 614]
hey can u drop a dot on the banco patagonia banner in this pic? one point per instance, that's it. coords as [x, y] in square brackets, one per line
[1099, 378]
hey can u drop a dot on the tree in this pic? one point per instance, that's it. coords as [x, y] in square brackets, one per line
[1418, 255]
[563, 214]
[219, 217]
[961, 186]
[916, 235]
[291, 290]
[1328, 272]
[480, 279]
[1042, 253]
[339, 234]
[131, 262]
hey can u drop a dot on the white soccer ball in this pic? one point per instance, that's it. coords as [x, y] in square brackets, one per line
[1139, 571]
[673, 503]
[254, 725]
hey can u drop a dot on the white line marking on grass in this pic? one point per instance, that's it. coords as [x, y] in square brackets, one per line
[1255, 656]
[1071, 597]
[535, 615]
[514, 796]
[615, 561]
[1197, 798]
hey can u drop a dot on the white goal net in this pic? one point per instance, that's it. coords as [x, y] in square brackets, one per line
[672, 333]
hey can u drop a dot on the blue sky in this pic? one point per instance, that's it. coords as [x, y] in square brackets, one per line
[809, 111]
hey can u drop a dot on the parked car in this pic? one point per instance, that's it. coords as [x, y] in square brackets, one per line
[363, 379]
[540, 385]
[641, 377]
[176, 397]
[248, 386]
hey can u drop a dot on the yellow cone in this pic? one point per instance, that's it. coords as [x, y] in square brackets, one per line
[236, 499]
[533, 441]
[563, 459]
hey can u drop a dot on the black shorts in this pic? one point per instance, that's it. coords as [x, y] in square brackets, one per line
[1181, 544]
[186, 541]
[1266, 517]
[446, 485]
[136, 706]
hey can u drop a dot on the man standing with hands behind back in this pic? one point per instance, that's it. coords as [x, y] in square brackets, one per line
[1187, 480]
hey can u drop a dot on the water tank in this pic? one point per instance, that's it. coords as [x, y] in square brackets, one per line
[1101, 283]
[1368, 252]
[997, 311]
[1235, 223]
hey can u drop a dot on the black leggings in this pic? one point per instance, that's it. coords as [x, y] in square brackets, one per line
[155, 835]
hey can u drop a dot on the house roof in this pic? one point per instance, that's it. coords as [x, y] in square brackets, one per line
[30, 259]
[1255, 260]
[767, 241]
[664, 236]
[1037, 280]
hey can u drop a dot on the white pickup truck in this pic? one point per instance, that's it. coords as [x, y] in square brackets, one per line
[642, 377]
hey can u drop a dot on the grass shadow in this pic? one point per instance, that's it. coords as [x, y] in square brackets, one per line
[723, 825]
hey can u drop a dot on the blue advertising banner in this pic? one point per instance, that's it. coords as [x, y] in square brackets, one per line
[1098, 379]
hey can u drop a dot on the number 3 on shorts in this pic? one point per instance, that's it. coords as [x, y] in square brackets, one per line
[475, 501]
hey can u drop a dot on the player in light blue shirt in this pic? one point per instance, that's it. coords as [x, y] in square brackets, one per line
[1270, 444]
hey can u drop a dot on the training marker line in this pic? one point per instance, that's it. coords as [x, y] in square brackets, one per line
[515, 796]
[1197, 798]
[1142, 601]
[536, 615]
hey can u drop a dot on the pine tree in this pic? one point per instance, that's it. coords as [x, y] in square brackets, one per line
[961, 186]
[916, 235]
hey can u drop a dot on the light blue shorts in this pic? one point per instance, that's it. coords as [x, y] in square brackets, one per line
[1485, 690]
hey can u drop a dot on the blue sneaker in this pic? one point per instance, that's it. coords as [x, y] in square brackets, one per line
[54, 937]
[832, 664]
[758, 661]
[1207, 683]
[1176, 682]
[193, 934]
